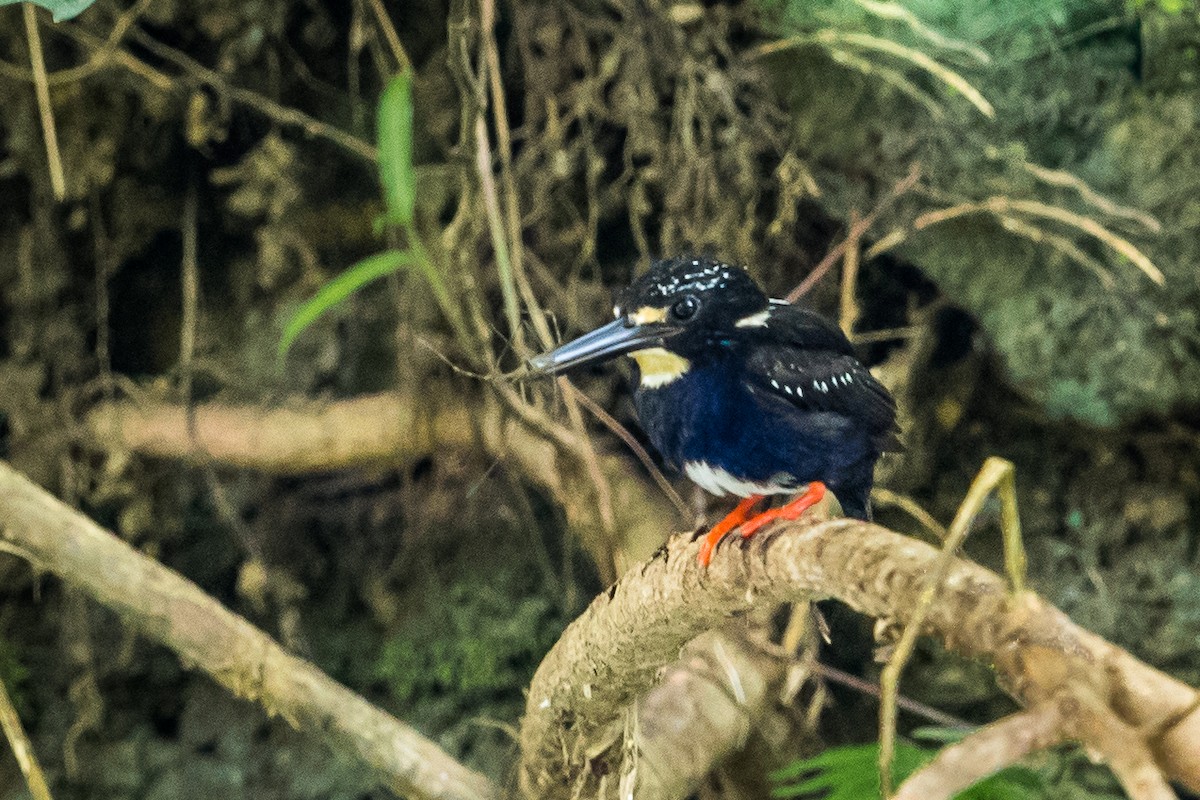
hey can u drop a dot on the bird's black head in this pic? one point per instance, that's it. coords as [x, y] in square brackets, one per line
[678, 309]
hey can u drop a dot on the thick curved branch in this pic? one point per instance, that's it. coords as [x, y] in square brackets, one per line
[612, 653]
[171, 610]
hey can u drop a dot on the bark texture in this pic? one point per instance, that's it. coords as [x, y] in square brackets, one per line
[612, 653]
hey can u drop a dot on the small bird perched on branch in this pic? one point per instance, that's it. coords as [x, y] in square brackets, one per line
[746, 395]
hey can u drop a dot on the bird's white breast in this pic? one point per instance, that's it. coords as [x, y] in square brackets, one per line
[715, 480]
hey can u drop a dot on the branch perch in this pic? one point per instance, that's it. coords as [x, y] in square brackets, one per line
[612, 653]
[169, 609]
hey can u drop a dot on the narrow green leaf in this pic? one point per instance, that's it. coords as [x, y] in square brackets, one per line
[844, 773]
[395, 131]
[337, 290]
[61, 9]
[851, 773]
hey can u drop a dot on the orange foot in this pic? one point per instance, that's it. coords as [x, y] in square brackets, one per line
[731, 521]
[811, 496]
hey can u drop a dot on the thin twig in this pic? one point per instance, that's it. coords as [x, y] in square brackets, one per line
[856, 233]
[610, 422]
[487, 11]
[1065, 180]
[281, 114]
[190, 287]
[591, 463]
[58, 181]
[35, 779]
[491, 206]
[996, 474]
[910, 507]
[122, 57]
[389, 33]
[1000, 205]
[102, 57]
[936, 716]
[848, 308]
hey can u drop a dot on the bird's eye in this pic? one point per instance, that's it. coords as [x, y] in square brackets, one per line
[686, 308]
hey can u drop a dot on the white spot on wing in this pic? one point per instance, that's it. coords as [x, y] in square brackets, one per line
[758, 320]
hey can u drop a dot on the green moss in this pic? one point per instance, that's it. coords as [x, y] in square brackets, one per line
[1086, 88]
[481, 636]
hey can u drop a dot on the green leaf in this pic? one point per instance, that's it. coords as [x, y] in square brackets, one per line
[395, 131]
[337, 290]
[61, 9]
[852, 773]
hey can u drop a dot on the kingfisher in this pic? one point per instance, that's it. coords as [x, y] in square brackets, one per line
[746, 395]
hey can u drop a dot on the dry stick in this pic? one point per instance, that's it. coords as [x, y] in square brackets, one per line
[104, 54]
[58, 181]
[264, 105]
[995, 474]
[139, 68]
[173, 611]
[389, 33]
[856, 233]
[14, 731]
[986, 752]
[506, 267]
[1065, 180]
[934, 715]
[912, 508]
[189, 276]
[1000, 205]
[107, 50]
[848, 310]
[633, 444]
[591, 463]
[491, 206]
[487, 13]
[614, 651]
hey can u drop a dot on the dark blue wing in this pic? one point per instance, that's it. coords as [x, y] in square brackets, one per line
[804, 360]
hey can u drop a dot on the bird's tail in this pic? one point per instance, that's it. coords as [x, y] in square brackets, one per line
[855, 502]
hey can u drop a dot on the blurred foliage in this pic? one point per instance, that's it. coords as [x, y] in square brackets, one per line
[1081, 88]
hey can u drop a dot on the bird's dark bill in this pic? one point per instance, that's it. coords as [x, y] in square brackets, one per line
[614, 339]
